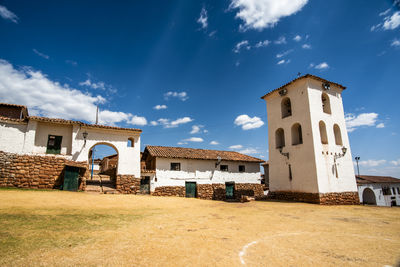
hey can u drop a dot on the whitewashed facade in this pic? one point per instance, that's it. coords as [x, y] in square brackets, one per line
[379, 190]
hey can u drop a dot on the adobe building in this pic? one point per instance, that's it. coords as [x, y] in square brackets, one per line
[200, 173]
[309, 152]
[378, 190]
[39, 152]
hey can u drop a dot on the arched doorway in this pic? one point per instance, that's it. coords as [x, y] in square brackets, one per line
[369, 197]
[103, 166]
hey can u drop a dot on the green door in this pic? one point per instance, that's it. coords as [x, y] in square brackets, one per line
[145, 185]
[230, 190]
[190, 189]
[71, 177]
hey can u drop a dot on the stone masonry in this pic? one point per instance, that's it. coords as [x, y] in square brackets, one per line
[343, 198]
[127, 184]
[38, 172]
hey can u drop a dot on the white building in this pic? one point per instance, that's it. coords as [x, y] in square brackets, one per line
[309, 151]
[379, 190]
[22, 134]
[209, 174]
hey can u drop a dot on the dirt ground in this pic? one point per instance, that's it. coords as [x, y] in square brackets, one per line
[56, 228]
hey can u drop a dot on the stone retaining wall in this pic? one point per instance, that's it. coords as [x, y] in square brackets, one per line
[343, 198]
[212, 191]
[127, 184]
[37, 172]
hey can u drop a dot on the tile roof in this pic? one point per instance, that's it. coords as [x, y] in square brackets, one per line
[62, 121]
[13, 105]
[369, 179]
[302, 77]
[194, 153]
[8, 119]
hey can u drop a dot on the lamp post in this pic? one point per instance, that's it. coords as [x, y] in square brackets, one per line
[358, 169]
[335, 157]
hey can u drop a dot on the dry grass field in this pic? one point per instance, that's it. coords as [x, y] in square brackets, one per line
[56, 228]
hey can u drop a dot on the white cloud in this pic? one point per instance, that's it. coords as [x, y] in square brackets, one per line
[240, 45]
[391, 23]
[237, 63]
[196, 129]
[395, 162]
[249, 150]
[194, 139]
[321, 66]
[380, 125]
[136, 120]
[262, 43]
[167, 123]
[45, 97]
[248, 123]
[363, 119]
[214, 143]
[211, 34]
[306, 46]
[158, 107]
[281, 40]
[7, 14]
[297, 38]
[384, 13]
[283, 61]
[261, 14]
[40, 54]
[89, 83]
[371, 162]
[284, 53]
[203, 19]
[236, 147]
[180, 95]
[182, 143]
[395, 43]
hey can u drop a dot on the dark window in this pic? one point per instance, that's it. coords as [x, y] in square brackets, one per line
[54, 144]
[286, 107]
[398, 190]
[131, 142]
[279, 138]
[224, 168]
[326, 105]
[394, 191]
[297, 136]
[386, 191]
[242, 168]
[175, 166]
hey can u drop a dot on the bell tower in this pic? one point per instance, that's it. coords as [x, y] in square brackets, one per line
[309, 150]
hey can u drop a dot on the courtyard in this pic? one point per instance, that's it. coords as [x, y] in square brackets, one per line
[57, 228]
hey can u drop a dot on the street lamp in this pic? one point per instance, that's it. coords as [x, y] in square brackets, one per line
[358, 169]
[85, 134]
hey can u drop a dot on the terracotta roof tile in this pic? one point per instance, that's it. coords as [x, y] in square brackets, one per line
[194, 153]
[302, 77]
[8, 119]
[62, 121]
[369, 179]
[13, 105]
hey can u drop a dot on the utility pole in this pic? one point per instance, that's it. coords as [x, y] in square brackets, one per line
[97, 115]
[91, 176]
[358, 169]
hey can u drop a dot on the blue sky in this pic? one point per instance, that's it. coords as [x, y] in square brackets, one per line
[191, 73]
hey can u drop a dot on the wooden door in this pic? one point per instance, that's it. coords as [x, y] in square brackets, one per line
[145, 185]
[71, 177]
[190, 189]
[230, 190]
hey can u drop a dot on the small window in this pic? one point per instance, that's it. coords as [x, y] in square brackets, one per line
[394, 191]
[54, 144]
[131, 142]
[297, 136]
[398, 190]
[386, 191]
[322, 132]
[223, 168]
[175, 166]
[279, 138]
[286, 107]
[242, 168]
[326, 105]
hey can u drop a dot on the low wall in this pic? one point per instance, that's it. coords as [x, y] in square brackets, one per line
[37, 172]
[342, 198]
[127, 184]
[212, 191]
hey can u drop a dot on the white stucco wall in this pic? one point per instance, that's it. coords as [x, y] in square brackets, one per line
[381, 200]
[311, 170]
[128, 157]
[12, 137]
[203, 172]
[31, 138]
